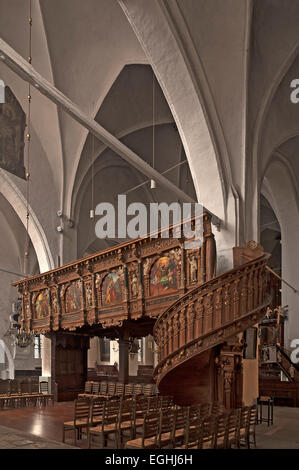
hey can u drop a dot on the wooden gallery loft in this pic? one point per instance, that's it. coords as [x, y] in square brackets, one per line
[196, 321]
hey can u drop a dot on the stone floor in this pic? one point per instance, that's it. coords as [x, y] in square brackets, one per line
[13, 439]
[283, 434]
[41, 428]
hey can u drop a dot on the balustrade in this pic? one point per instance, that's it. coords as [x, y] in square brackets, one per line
[206, 312]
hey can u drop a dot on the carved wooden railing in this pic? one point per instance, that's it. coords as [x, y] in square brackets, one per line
[76, 295]
[211, 313]
[285, 363]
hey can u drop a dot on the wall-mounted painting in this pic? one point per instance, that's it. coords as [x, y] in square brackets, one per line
[164, 276]
[73, 301]
[42, 305]
[111, 289]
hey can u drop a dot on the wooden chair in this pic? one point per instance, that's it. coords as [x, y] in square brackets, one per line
[129, 389]
[148, 439]
[208, 430]
[250, 431]
[138, 389]
[45, 395]
[108, 427]
[221, 431]
[126, 421]
[179, 427]
[103, 388]
[233, 429]
[111, 389]
[120, 389]
[95, 388]
[244, 425]
[148, 390]
[97, 410]
[166, 426]
[205, 409]
[80, 421]
[152, 403]
[87, 390]
[140, 408]
[165, 401]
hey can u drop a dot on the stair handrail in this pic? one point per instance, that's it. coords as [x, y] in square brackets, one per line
[173, 349]
[212, 284]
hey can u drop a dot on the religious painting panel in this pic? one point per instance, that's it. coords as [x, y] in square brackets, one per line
[41, 305]
[73, 297]
[164, 276]
[111, 289]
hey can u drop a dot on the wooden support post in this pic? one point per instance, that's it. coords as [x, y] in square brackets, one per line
[124, 358]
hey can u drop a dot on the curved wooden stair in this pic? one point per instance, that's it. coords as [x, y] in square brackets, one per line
[200, 353]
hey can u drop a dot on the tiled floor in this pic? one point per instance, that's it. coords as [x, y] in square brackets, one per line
[41, 428]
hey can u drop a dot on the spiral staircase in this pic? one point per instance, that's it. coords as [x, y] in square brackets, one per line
[198, 336]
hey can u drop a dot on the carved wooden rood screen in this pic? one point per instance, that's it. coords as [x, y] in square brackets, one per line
[124, 291]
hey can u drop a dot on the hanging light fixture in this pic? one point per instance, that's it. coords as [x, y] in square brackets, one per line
[24, 338]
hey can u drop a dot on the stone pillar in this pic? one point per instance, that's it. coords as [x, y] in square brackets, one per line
[93, 353]
[46, 356]
[148, 351]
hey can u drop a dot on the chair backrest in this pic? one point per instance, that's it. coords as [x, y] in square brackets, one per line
[44, 387]
[165, 401]
[208, 431]
[138, 389]
[217, 408]
[252, 415]
[97, 409]
[150, 427]
[82, 409]
[120, 389]
[34, 387]
[245, 417]
[148, 390]
[111, 412]
[88, 387]
[233, 424]
[96, 388]
[14, 386]
[4, 387]
[129, 389]
[111, 389]
[166, 424]
[103, 388]
[24, 387]
[126, 410]
[194, 434]
[221, 430]
[205, 409]
[153, 403]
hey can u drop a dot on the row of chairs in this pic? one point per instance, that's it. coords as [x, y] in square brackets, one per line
[21, 393]
[192, 428]
[119, 389]
[106, 410]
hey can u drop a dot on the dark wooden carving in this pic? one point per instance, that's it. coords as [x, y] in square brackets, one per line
[134, 280]
[206, 318]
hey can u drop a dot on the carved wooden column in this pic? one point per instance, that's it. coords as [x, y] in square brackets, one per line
[210, 248]
[229, 384]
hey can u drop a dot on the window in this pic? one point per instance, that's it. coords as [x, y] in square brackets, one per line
[105, 349]
[37, 347]
[140, 350]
